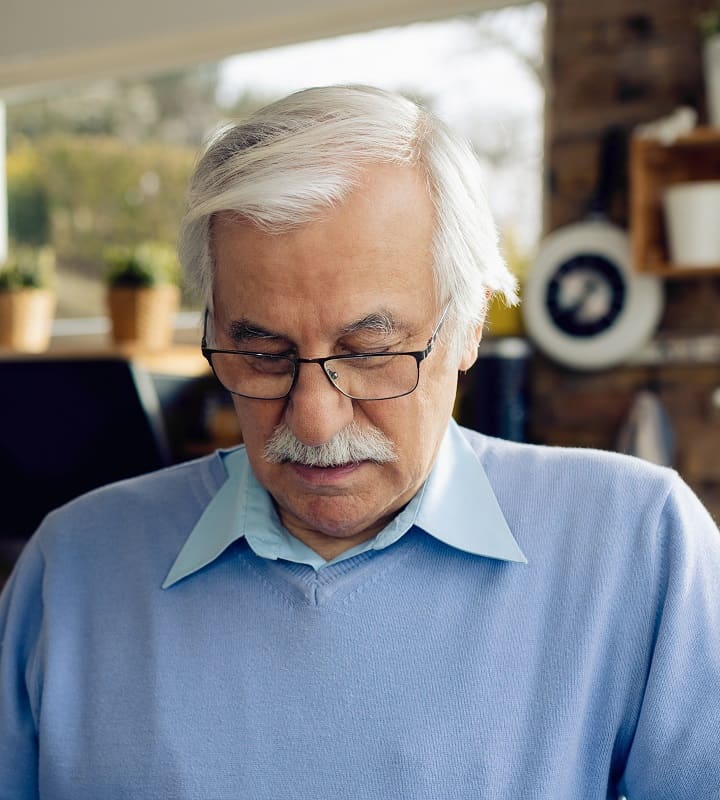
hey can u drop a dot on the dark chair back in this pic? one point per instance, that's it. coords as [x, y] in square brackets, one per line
[68, 425]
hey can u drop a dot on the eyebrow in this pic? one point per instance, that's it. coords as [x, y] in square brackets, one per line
[375, 322]
[241, 330]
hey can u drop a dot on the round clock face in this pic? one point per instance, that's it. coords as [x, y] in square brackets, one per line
[582, 304]
[586, 295]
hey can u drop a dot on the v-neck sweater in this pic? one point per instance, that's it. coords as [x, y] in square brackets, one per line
[416, 671]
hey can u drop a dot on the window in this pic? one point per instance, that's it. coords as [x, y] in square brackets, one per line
[108, 162]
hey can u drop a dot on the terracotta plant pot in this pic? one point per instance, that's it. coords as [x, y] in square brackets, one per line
[143, 317]
[26, 317]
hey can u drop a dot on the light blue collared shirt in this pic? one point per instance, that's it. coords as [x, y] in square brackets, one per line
[456, 505]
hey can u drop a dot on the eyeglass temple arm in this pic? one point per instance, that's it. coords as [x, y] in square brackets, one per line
[436, 332]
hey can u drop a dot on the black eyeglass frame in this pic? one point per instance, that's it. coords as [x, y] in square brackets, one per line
[418, 355]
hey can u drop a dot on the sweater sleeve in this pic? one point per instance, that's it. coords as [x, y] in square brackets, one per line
[20, 625]
[675, 752]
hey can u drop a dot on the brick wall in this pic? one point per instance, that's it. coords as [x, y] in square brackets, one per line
[625, 62]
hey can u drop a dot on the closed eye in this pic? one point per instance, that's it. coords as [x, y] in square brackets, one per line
[372, 348]
[369, 361]
[268, 365]
[262, 350]
[364, 351]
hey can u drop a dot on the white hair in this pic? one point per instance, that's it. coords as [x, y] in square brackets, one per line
[300, 155]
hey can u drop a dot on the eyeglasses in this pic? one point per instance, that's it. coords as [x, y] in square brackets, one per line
[359, 376]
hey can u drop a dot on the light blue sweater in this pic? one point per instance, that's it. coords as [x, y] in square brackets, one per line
[416, 671]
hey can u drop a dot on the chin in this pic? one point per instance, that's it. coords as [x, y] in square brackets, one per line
[339, 518]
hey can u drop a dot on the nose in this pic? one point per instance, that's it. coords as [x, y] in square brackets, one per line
[316, 410]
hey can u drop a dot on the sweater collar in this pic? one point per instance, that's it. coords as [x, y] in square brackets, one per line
[455, 505]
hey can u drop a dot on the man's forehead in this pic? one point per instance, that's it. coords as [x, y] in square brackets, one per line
[381, 189]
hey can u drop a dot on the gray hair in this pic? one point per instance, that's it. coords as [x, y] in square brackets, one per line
[306, 152]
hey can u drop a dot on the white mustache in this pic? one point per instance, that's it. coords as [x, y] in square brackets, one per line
[352, 444]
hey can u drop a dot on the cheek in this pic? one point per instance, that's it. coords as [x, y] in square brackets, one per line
[414, 422]
[429, 418]
[257, 420]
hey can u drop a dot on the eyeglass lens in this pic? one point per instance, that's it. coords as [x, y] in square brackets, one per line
[373, 377]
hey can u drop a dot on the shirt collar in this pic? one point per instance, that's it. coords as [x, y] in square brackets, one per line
[456, 505]
[459, 506]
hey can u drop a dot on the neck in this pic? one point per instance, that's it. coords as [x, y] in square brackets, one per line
[328, 546]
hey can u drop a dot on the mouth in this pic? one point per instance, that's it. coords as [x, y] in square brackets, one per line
[326, 474]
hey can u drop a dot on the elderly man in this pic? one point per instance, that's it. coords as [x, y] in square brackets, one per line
[364, 600]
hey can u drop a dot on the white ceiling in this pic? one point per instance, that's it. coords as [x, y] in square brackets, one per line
[45, 41]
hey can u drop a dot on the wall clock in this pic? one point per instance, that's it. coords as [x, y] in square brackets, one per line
[583, 305]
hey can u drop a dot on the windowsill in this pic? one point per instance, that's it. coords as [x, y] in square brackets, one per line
[89, 337]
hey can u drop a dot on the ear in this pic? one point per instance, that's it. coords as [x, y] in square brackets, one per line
[470, 350]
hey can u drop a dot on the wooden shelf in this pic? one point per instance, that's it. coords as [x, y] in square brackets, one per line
[181, 360]
[666, 269]
[653, 167]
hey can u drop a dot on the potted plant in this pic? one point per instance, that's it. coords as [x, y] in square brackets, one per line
[143, 294]
[27, 301]
[710, 32]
